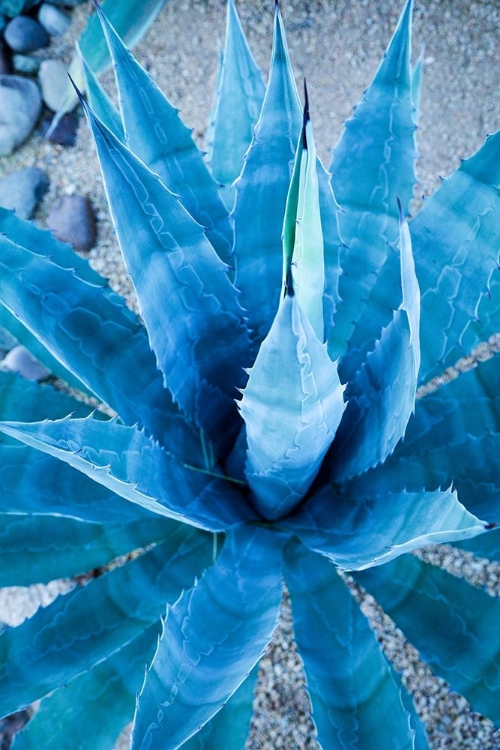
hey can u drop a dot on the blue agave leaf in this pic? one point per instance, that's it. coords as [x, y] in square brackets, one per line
[349, 680]
[357, 531]
[382, 398]
[100, 101]
[239, 96]
[190, 308]
[452, 624]
[30, 401]
[373, 166]
[455, 436]
[60, 490]
[103, 698]
[230, 727]
[456, 236]
[82, 628]
[39, 549]
[213, 636]
[487, 545]
[488, 322]
[130, 18]
[93, 336]
[261, 192]
[157, 135]
[134, 466]
[292, 406]
[416, 83]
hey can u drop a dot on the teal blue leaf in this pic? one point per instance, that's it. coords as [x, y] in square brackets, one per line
[41, 548]
[191, 310]
[416, 83]
[454, 437]
[382, 397]
[350, 682]
[30, 401]
[261, 192]
[303, 243]
[357, 531]
[100, 101]
[155, 133]
[373, 166]
[230, 727]
[456, 236]
[239, 96]
[93, 335]
[60, 490]
[488, 316]
[84, 627]
[131, 20]
[103, 699]
[487, 545]
[134, 466]
[292, 406]
[453, 625]
[212, 638]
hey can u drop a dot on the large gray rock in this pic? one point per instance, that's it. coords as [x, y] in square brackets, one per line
[53, 20]
[24, 34]
[21, 191]
[72, 220]
[20, 107]
[53, 77]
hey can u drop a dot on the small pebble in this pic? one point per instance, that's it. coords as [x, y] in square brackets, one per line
[20, 360]
[11, 8]
[26, 64]
[20, 107]
[22, 191]
[53, 77]
[56, 22]
[4, 58]
[72, 220]
[65, 131]
[24, 34]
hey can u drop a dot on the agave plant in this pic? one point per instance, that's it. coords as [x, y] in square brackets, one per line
[326, 319]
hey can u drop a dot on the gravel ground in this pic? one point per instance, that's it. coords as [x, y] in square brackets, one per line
[337, 45]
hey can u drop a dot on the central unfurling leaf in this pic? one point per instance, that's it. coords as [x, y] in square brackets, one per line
[292, 406]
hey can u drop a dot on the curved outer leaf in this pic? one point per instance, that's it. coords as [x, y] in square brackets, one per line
[102, 698]
[487, 545]
[239, 96]
[60, 490]
[292, 406]
[39, 549]
[155, 133]
[373, 166]
[100, 101]
[359, 531]
[95, 337]
[126, 461]
[230, 727]
[30, 401]
[350, 682]
[416, 83]
[213, 636]
[190, 308]
[303, 245]
[382, 398]
[131, 20]
[452, 624]
[454, 437]
[82, 628]
[488, 323]
[456, 240]
[261, 192]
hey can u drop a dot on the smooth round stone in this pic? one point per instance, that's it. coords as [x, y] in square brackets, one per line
[53, 20]
[22, 191]
[11, 8]
[26, 64]
[24, 34]
[72, 220]
[53, 77]
[20, 107]
[20, 360]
